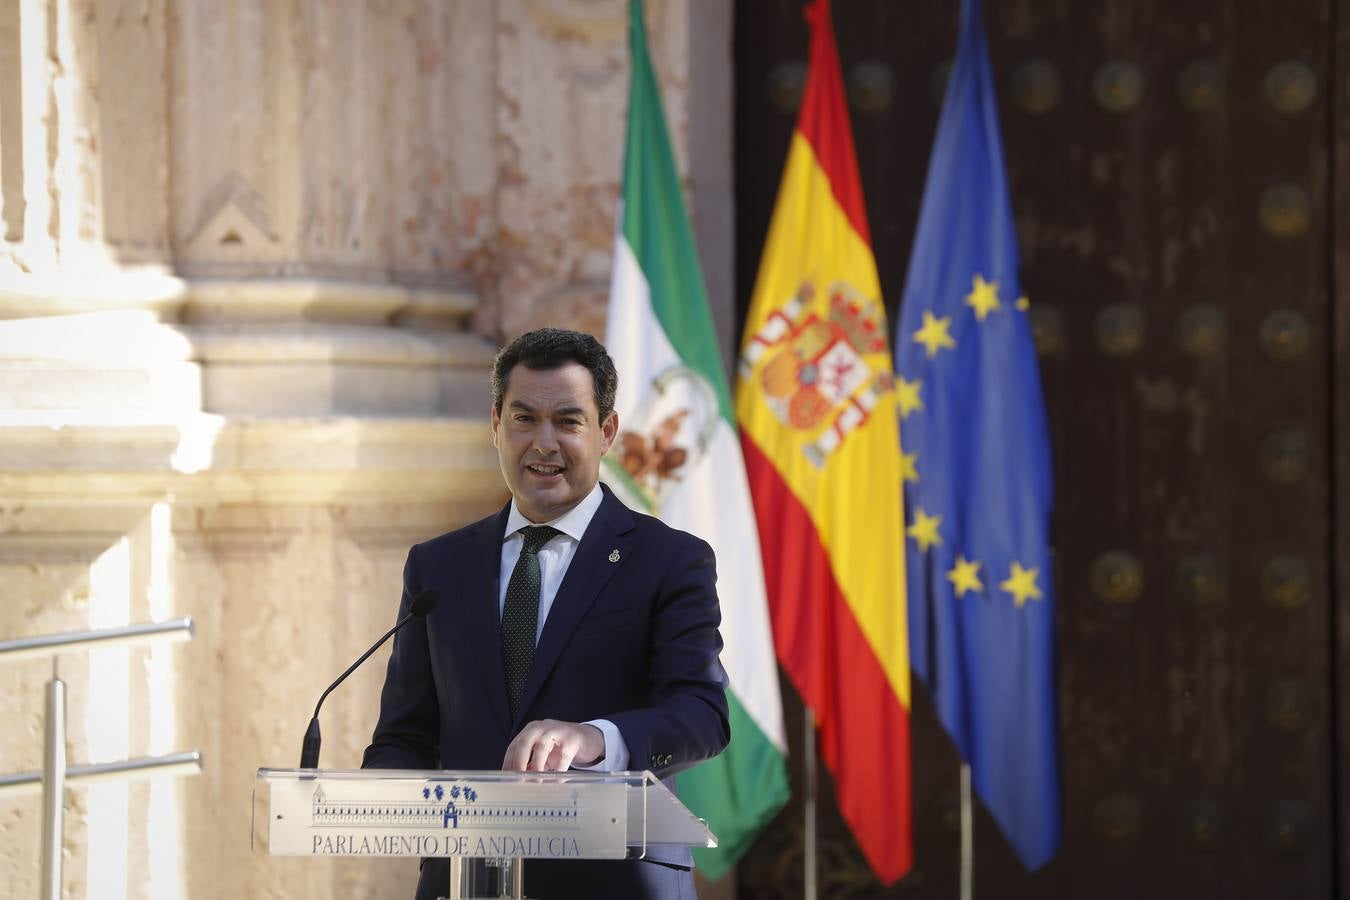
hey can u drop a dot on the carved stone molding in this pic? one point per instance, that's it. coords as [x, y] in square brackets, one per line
[325, 300]
[25, 295]
[233, 224]
[261, 347]
[214, 460]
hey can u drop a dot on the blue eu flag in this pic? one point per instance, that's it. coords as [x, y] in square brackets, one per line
[977, 470]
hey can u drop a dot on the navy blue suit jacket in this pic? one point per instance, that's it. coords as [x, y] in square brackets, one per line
[633, 640]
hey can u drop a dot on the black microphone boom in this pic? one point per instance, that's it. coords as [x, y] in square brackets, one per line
[422, 604]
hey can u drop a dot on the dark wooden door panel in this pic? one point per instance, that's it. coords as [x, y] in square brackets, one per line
[1171, 180]
[1338, 636]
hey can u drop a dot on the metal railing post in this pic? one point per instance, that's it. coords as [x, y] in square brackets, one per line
[53, 785]
[54, 769]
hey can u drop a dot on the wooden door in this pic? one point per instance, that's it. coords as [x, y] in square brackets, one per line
[1173, 185]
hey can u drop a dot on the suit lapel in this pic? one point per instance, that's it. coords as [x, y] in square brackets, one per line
[590, 569]
[481, 617]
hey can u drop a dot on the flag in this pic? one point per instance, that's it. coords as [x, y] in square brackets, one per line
[816, 403]
[977, 470]
[678, 457]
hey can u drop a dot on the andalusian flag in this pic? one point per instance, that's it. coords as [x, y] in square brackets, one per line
[817, 408]
[677, 457]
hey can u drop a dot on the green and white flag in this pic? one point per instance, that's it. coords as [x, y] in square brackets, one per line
[678, 457]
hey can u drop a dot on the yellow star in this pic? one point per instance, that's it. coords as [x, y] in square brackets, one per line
[1021, 584]
[907, 396]
[909, 466]
[983, 297]
[965, 576]
[925, 529]
[933, 335]
[1023, 303]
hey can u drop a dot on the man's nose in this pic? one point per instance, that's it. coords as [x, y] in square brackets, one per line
[545, 439]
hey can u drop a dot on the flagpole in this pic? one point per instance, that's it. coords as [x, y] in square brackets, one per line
[809, 853]
[967, 835]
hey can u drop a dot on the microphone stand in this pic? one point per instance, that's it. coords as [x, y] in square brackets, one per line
[422, 604]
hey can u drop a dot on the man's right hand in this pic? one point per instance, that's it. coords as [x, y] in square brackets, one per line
[552, 746]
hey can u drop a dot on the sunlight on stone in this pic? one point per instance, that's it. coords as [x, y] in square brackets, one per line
[106, 722]
[165, 826]
[196, 443]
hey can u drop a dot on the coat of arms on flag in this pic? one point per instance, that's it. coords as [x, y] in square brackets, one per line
[666, 437]
[816, 367]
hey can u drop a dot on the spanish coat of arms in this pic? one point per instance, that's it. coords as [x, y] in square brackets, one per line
[815, 375]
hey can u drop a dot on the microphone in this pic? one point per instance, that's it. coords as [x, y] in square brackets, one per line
[422, 604]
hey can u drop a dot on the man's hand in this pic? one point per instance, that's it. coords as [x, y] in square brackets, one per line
[552, 746]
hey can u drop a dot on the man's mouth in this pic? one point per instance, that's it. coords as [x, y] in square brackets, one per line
[544, 470]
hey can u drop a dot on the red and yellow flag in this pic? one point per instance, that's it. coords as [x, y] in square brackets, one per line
[816, 407]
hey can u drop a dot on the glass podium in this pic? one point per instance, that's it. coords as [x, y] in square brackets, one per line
[487, 823]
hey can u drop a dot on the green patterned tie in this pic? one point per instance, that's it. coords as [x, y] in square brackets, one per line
[520, 615]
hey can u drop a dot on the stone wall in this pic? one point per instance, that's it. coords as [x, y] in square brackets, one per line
[256, 257]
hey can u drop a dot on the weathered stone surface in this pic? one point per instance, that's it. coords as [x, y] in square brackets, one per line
[255, 258]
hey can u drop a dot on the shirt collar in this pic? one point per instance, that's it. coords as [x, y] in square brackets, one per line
[572, 523]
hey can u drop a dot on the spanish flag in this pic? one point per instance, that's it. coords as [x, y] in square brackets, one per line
[816, 405]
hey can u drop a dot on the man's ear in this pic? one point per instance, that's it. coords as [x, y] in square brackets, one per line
[610, 429]
[496, 423]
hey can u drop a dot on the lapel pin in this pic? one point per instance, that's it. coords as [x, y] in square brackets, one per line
[614, 555]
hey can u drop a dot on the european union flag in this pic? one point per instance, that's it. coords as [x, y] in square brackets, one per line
[976, 466]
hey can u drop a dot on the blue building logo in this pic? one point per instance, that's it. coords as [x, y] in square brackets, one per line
[450, 812]
[446, 806]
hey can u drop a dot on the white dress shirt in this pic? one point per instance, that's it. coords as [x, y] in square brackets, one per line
[554, 558]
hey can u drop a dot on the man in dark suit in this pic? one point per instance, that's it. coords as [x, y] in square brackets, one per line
[589, 643]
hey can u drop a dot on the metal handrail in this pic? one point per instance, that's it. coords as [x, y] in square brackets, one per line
[189, 763]
[55, 772]
[120, 636]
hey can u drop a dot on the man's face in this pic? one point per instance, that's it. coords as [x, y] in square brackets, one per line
[549, 438]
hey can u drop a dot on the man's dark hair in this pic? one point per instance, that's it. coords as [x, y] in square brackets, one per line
[553, 348]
